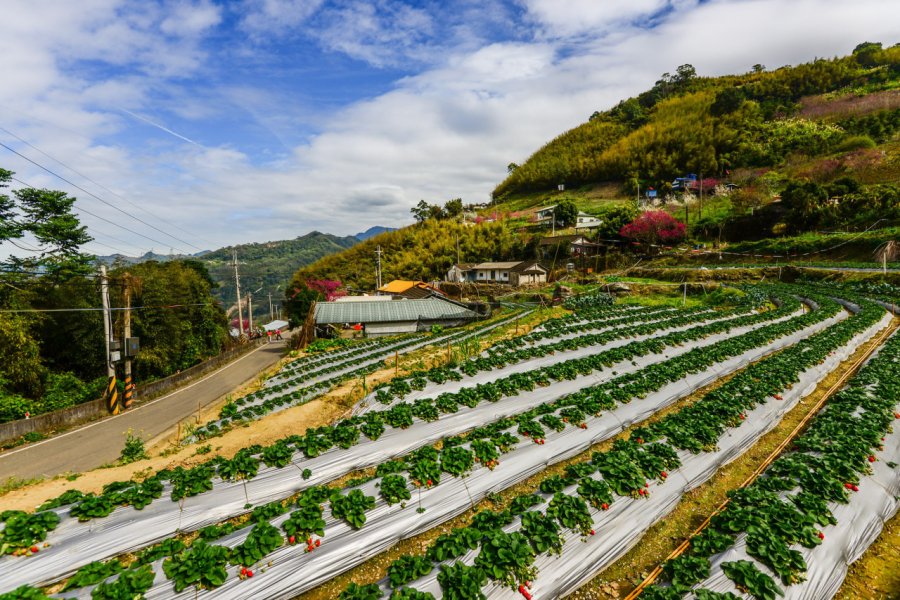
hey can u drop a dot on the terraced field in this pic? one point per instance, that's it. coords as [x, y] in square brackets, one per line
[508, 474]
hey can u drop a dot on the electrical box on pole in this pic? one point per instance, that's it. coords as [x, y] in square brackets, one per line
[132, 346]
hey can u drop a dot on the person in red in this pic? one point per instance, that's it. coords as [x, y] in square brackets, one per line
[278, 334]
[269, 335]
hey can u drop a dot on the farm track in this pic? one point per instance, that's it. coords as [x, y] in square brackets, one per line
[662, 539]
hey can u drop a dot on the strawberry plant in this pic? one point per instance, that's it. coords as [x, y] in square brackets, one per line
[572, 513]
[373, 427]
[456, 461]
[278, 454]
[748, 578]
[399, 416]
[92, 507]
[485, 451]
[263, 539]
[506, 558]
[408, 568]
[22, 530]
[553, 484]
[595, 492]
[542, 532]
[685, 571]
[189, 482]
[25, 592]
[522, 503]
[92, 573]
[411, 594]
[394, 489]
[361, 592]
[461, 582]
[129, 585]
[305, 521]
[425, 409]
[202, 565]
[352, 507]
[453, 545]
[345, 436]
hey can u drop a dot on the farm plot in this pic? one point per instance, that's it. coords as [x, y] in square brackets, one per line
[584, 404]
[815, 510]
[121, 531]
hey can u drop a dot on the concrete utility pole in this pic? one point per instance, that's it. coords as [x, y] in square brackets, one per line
[700, 213]
[271, 313]
[112, 396]
[378, 267]
[250, 311]
[126, 333]
[237, 288]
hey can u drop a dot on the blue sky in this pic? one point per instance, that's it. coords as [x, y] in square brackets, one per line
[222, 122]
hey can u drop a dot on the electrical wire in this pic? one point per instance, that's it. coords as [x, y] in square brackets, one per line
[96, 216]
[103, 187]
[120, 309]
[111, 205]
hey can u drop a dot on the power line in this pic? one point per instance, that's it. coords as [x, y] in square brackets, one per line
[96, 216]
[51, 310]
[111, 205]
[103, 187]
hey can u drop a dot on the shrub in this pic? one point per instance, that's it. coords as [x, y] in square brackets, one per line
[13, 407]
[654, 227]
[62, 391]
[855, 142]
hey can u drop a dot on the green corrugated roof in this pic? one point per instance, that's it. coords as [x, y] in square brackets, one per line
[386, 312]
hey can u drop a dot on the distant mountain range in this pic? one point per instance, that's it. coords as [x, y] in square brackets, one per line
[372, 231]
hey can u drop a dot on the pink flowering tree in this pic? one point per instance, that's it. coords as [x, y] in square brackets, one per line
[654, 227]
[326, 287]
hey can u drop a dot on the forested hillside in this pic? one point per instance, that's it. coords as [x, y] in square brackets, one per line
[269, 265]
[714, 126]
[423, 251]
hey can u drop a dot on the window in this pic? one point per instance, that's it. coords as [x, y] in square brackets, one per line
[493, 274]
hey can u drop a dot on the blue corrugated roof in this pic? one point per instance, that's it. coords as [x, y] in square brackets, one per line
[387, 312]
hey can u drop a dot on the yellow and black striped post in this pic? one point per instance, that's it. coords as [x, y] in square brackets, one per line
[112, 396]
[129, 391]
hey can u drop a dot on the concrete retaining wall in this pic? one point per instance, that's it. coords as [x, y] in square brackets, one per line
[95, 409]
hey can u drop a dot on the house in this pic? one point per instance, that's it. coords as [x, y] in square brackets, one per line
[558, 246]
[586, 221]
[461, 272]
[408, 289]
[544, 215]
[512, 272]
[395, 316]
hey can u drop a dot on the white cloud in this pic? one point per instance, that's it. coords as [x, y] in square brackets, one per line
[447, 131]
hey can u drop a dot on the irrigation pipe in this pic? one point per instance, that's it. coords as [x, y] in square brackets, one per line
[762, 467]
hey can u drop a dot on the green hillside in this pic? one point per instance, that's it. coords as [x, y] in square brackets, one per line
[821, 121]
[424, 251]
[270, 265]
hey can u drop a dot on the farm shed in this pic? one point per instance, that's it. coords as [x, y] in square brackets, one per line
[394, 317]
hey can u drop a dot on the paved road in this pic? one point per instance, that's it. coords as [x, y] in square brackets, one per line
[100, 442]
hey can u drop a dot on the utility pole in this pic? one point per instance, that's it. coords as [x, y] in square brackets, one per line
[700, 214]
[553, 220]
[112, 394]
[126, 333]
[237, 288]
[378, 268]
[457, 249]
[250, 311]
[271, 313]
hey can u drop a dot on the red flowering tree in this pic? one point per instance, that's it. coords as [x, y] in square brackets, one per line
[326, 287]
[654, 227]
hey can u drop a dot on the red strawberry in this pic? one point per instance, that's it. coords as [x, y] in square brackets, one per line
[871, 458]
[849, 486]
[663, 474]
[897, 415]
[309, 541]
[292, 540]
[249, 573]
[640, 440]
[243, 570]
[34, 549]
[430, 483]
[592, 532]
[318, 543]
[778, 397]
[583, 425]
[743, 417]
[604, 506]
[821, 536]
